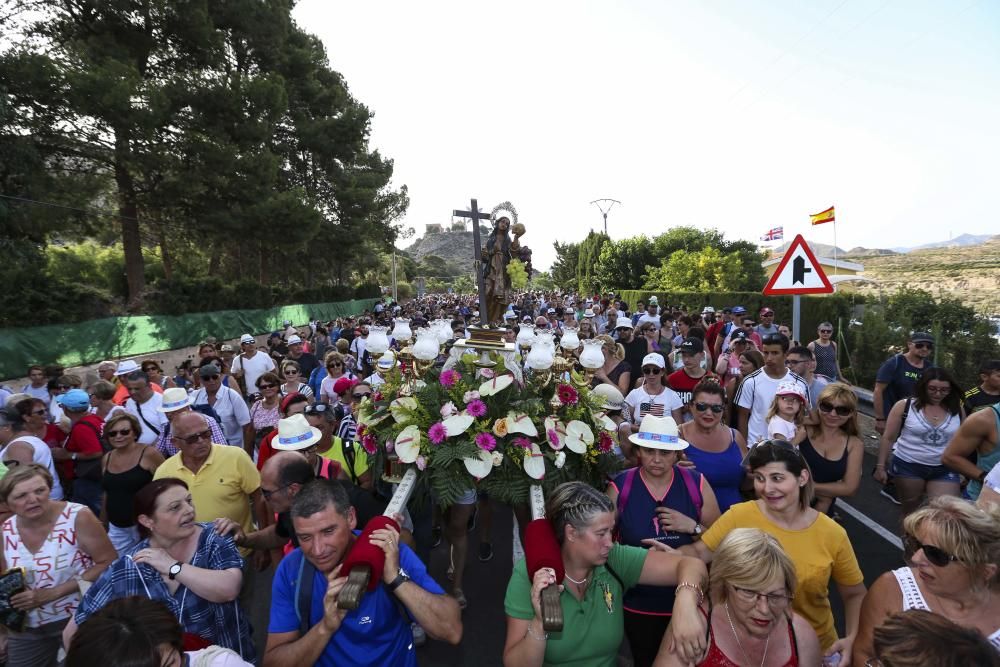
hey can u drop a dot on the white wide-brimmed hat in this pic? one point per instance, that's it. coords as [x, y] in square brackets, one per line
[611, 398]
[127, 366]
[295, 433]
[623, 323]
[174, 399]
[658, 433]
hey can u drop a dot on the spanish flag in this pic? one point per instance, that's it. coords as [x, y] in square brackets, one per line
[822, 216]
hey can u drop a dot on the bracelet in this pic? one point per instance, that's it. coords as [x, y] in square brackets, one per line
[544, 636]
[695, 587]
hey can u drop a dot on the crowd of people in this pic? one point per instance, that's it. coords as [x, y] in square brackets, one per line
[142, 507]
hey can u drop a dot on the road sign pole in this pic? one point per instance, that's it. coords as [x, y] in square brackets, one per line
[796, 316]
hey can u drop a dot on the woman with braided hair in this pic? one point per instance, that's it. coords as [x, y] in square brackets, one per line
[597, 574]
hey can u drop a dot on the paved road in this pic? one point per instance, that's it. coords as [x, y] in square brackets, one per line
[485, 583]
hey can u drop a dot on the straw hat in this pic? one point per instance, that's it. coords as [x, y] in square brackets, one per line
[127, 366]
[295, 433]
[658, 433]
[174, 399]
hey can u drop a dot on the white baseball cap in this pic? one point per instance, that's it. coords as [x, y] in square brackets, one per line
[294, 340]
[653, 359]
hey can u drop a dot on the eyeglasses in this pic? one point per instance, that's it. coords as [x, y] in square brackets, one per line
[651, 371]
[120, 432]
[792, 362]
[267, 494]
[194, 437]
[714, 407]
[841, 410]
[267, 385]
[361, 397]
[934, 555]
[774, 600]
[924, 346]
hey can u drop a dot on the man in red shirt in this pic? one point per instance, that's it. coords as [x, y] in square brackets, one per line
[684, 380]
[79, 460]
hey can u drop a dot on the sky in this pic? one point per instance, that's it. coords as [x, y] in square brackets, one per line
[727, 114]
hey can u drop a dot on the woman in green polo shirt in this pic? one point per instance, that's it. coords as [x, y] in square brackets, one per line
[598, 572]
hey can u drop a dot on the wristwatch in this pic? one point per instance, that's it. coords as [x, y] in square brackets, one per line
[400, 579]
[174, 570]
[697, 529]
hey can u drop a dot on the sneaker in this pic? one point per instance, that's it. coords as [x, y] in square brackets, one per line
[435, 537]
[889, 492]
[419, 636]
[460, 597]
[485, 551]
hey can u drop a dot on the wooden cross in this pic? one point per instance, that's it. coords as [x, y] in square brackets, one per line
[476, 215]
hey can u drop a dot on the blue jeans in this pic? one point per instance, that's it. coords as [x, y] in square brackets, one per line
[88, 492]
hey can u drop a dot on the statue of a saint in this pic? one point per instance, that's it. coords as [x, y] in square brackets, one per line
[499, 250]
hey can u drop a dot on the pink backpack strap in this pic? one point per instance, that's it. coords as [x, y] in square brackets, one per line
[692, 488]
[626, 489]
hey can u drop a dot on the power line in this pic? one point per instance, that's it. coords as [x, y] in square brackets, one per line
[94, 212]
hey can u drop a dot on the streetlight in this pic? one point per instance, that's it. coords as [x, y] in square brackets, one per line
[601, 204]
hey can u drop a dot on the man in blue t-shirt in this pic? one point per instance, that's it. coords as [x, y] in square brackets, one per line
[378, 631]
[897, 377]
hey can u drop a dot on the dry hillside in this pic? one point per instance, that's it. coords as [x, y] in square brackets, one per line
[971, 273]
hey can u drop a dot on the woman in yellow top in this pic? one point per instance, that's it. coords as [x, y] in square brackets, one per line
[818, 546]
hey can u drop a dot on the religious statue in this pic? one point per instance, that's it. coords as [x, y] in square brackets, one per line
[497, 254]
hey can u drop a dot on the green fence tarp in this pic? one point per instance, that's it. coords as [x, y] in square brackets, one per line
[113, 337]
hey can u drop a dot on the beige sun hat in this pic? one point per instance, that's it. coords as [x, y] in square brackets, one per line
[658, 433]
[174, 399]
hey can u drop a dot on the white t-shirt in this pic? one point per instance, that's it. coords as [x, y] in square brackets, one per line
[253, 368]
[150, 418]
[993, 479]
[778, 427]
[756, 393]
[661, 405]
[232, 410]
[42, 455]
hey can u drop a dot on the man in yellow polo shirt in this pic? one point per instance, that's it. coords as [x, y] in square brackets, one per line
[223, 481]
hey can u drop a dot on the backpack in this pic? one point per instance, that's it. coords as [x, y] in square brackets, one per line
[689, 484]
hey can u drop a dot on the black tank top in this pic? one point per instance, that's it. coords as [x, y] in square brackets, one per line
[121, 487]
[824, 471]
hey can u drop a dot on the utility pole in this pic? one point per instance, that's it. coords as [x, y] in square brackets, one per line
[601, 204]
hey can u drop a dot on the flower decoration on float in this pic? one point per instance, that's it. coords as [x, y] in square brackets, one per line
[501, 435]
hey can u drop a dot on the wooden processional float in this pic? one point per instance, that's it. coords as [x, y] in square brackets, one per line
[496, 428]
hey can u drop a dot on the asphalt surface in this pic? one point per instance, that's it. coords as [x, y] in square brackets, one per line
[486, 583]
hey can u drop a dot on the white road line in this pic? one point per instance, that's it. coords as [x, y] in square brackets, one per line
[871, 524]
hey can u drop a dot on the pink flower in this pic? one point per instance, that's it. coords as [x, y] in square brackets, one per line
[522, 442]
[449, 378]
[487, 373]
[437, 433]
[486, 441]
[554, 439]
[567, 394]
[448, 409]
[377, 396]
[476, 408]
[369, 443]
[421, 462]
[470, 396]
[605, 442]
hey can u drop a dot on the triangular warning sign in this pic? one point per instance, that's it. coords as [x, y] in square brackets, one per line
[798, 272]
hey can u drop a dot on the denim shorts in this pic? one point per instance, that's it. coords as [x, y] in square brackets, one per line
[940, 473]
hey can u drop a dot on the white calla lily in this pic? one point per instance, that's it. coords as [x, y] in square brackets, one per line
[407, 444]
[480, 465]
[605, 422]
[578, 436]
[518, 422]
[457, 424]
[496, 385]
[534, 463]
[402, 407]
[553, 425]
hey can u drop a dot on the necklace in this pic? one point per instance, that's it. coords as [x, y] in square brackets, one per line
[740, 644]
[578, 583]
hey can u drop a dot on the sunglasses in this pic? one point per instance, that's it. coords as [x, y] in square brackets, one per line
[924, 346]
[317, 409]
[841, 410]
[935, 555]
[361, 397]
[714, 407]
[651, 371]
[266, 386]
[194, 437]
[120, 432]
[334, 364]
[826, 331]
[210, 378]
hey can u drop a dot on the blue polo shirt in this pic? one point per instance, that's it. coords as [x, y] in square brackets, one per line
[376, 633]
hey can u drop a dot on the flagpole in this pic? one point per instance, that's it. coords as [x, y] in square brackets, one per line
[835, 247]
